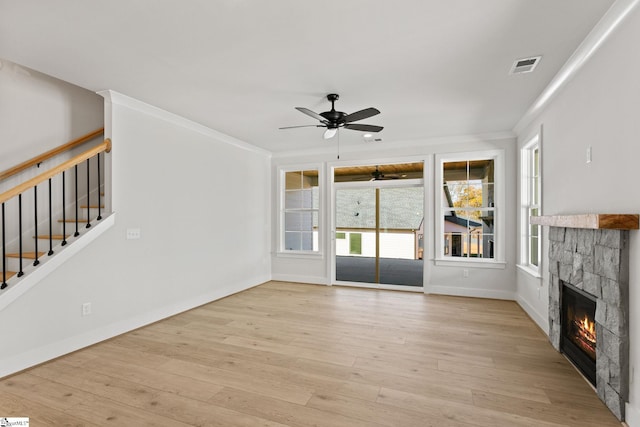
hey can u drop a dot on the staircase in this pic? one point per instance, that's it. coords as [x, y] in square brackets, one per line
[44, 214]
[53, 244]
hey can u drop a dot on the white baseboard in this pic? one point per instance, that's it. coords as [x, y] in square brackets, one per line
[314, 280]
[541, 320]
[43, 354]
[470, 292]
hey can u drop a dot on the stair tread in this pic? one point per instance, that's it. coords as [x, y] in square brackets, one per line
[28, 255]
[81, 220]
[91, 206]
[53, 236]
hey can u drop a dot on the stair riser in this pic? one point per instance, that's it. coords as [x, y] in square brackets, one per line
[93, 213]
[70, 228]
[13, 264]
[28, 239]
[8, 276]
[28, 245]
[43, 245]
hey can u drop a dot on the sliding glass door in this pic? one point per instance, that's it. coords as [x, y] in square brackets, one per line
[355, 235]
[401, 236]
[379, 232]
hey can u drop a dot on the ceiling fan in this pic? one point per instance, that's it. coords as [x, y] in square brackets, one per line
[333, 120]
[376, 175]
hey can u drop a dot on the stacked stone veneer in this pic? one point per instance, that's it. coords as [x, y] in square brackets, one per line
[597, 262]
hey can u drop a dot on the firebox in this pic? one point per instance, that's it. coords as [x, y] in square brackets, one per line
[578, 336]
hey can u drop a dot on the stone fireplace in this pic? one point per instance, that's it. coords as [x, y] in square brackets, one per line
[590, 254]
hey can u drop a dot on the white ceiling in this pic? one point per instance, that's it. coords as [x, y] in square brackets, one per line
[433, 68]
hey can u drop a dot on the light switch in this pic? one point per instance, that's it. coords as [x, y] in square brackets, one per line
[133, 233]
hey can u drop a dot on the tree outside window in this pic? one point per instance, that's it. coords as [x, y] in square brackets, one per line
[469, 208]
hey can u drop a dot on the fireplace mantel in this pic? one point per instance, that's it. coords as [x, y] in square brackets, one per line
[591, 221]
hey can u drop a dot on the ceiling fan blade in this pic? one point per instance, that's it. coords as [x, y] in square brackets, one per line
[302, 126]
[311, 113]
[364, 128]
[362, 114]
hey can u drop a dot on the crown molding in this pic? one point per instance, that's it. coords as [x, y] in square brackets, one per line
[594, 40]
[134, 104]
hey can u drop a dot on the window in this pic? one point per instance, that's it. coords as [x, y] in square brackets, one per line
[471, 194]
[300, 209]
[530, 204]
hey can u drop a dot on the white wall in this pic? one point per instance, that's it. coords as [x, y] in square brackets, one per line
[203, 207]
[598, 108]
[482, 282]
[39, 112]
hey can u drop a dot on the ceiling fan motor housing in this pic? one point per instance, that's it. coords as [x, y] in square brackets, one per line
[335, 118]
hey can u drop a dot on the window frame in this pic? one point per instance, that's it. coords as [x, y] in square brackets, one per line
[529, 193]
[499, 209]
[282, 210]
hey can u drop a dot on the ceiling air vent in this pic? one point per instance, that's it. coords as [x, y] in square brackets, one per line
[525, 65]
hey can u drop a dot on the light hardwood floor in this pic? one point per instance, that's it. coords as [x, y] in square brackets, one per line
[285, 354]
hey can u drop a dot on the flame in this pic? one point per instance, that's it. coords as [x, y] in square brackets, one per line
[587, 329]
[583, 334]
[588, 326]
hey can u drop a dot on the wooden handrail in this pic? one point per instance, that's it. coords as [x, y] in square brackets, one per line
[21, 188]
[49, 154]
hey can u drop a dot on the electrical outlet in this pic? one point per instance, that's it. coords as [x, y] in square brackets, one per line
[86, 309]
[465, 273]
[133, 233]
[589, 154]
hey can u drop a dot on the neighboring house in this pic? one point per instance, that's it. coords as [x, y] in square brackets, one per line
[457, 239]
[401, 223]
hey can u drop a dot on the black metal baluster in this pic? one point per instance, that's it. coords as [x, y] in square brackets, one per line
[88, 204]
[35, 216]
[64, 210]
[77, 233]
[20, 273]
[99, 201]
[4, 255]
[50, 223]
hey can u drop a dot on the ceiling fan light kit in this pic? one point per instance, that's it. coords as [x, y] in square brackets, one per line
[330, 133]
[334, 120]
